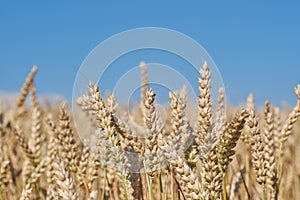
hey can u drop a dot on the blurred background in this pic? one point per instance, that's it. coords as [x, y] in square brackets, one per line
[255, 45]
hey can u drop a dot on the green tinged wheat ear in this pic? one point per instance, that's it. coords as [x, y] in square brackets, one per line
[132, 144]
[109, 135]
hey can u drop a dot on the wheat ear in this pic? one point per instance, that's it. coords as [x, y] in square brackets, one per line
[256, 148]
[68, 140]
[65, 185]
[204, 104]
[229, 138]
[293, 117]
[25, 89]
[269, 152]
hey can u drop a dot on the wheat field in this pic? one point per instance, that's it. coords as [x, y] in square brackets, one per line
[237, 153]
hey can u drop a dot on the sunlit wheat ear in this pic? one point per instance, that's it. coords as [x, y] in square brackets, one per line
[245, 135]
[65, 185]
[256, 148]
[55, 133]
[144, 84]
[177, 114]
[229, 138]
[269, 151]
[107, 134]
[83, 165]
[36, 127]
[4, 173]
[92, 171]
[133, 147]
[149, 110]
[27, 192]
[129, 137]
[211, 175]
[150, 121]
[36, 134]
[52, 151]
[108, 140]
[34, 99]
[277, 129]
[204, 114]
[68, 140]
[23, 142]
[187, 180]
[29, 189]
[204, 104]
[220, 116]
[181, 131]
[293, 117]
[210, 172]
[111, 103]
[93, 195]
[25, 89]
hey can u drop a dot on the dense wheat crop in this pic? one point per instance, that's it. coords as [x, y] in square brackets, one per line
[238, 153]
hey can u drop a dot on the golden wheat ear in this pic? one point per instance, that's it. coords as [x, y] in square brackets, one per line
[269, 152]
[204, 104]
[65, 185]
[256, 148]
[26, 87]
[229, 139]
[69, 150]
[293, 117]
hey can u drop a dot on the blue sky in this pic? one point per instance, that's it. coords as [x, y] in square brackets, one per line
[255, 44]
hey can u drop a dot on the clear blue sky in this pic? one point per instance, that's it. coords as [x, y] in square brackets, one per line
[255, 44]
